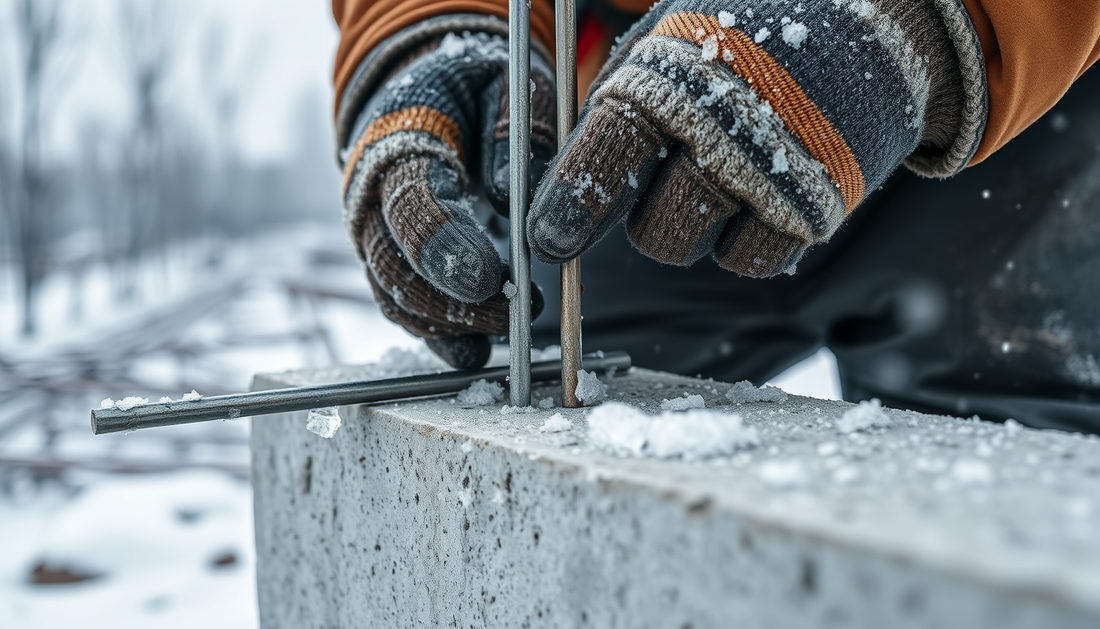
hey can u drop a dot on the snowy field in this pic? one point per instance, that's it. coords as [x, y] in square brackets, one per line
[154, 529]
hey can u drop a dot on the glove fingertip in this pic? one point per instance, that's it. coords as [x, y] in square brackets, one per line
[469, 351]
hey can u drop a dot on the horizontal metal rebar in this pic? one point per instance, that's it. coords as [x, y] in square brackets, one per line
[108, 420]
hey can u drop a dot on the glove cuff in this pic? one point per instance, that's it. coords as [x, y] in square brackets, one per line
[388, 56]
[958, 103]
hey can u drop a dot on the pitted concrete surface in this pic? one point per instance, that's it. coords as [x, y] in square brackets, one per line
[430, 514]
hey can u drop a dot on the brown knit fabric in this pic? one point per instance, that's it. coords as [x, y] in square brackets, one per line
[411, 211]
[682, 215]
[413, 303]
[753, 248]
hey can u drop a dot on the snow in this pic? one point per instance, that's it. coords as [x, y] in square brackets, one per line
[794, 34]
[129, 402]
[517, 410]
[323, 421]
[165, 400]
[782, 474]
[762, 34]
[780, 164]
[546, 403]
[481, 393]
[550, 352]
[683, 403]
[727, 19]
[590, 390]
[710, 48]
[107, 403]
[510, 289]
[745, 393]
[153, 538]
[193, 396]
[556, 423]
[866, 415]
[695, 434]
[971, 472]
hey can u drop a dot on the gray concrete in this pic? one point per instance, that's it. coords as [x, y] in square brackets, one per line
[427, 514]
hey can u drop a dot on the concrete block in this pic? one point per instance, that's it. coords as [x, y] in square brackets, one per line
[430, 514]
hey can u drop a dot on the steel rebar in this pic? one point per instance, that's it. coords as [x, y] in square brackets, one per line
[108, 420]
[565, 16]
[519, 155]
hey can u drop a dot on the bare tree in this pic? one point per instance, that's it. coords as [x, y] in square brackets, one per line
[39, 29]
[149, 39]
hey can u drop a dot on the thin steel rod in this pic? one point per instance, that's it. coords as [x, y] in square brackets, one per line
[519, 156]
[108, 420]
[565, 13]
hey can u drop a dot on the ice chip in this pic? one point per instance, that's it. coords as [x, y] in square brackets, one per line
[323, 421]
[590, 391]
[193, 396]
[745, 393]
[683, 403]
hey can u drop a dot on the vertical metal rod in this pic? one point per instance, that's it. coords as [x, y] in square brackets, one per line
[519, 155]
[565, 13]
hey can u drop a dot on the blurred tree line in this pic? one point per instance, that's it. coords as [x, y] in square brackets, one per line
[134, 190]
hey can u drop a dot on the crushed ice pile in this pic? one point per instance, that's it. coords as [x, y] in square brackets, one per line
[323, 421]
[481, 393]
[556, 423]
[695, 434]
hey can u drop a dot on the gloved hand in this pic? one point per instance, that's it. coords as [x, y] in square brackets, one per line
[749, 129]
[437, 128]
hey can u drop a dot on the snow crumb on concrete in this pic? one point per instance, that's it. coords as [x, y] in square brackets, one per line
[129, 402]
[866, 415]
[323, 421]
[683, 403]
[546, 403]
[696, 434]
[193, 396]
[782, 474]
[590, 390]
[498, 498]
[510, 289]
[745, 392]
[467, 446]
[517, 410]
[794, 34]
[481, 393]
[556, 423]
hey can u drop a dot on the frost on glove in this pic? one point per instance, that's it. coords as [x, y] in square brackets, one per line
[436, 126]
[749, 129]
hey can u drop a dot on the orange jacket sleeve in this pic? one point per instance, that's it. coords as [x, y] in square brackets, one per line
[365, 23]
[1034, 50]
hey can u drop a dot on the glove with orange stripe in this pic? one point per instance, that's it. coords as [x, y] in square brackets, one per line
[749, 129]
[436, 129]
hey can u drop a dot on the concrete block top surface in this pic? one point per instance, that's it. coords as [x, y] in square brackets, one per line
[1007, 507]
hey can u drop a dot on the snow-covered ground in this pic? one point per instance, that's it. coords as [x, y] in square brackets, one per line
[155, 527]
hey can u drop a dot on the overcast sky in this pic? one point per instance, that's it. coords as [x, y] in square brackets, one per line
[293, 42]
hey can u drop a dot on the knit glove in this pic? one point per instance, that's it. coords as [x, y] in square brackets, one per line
[437, 128]
[749, 129]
